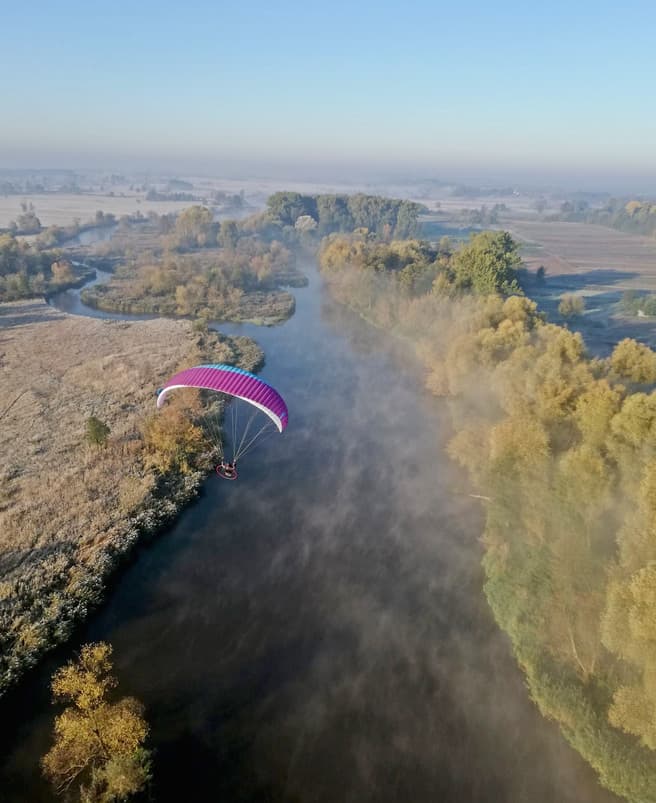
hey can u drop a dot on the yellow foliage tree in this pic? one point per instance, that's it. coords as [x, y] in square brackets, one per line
[172, 440]
[98, 743]
[634, 361]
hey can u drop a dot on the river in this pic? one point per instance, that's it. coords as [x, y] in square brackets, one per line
[317, 630]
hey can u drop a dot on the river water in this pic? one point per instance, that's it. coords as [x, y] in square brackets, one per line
[317, 630]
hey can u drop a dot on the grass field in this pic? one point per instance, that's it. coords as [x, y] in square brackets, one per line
[61, 209]
[581, 248]
[597, 263]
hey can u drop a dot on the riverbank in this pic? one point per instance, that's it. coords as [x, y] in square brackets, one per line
[556, 445]
[240, 283]
[261, 308]
[70, 511]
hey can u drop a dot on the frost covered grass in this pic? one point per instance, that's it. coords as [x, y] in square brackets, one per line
[69, 510]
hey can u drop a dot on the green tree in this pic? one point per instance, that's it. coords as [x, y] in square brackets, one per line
[97, 431]
[333, 213]
[488, 264]
[287, 207]
[99, 743]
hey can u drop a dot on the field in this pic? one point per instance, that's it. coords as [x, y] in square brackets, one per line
[67, 508]
[594, 262]
[596, 252]
[60, 209]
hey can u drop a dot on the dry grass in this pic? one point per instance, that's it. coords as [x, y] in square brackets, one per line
[581, 248]
[598, 264]
[61, 209]
[67, 509]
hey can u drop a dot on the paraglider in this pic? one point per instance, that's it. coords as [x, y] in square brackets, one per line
[227, 470]
[236, 387]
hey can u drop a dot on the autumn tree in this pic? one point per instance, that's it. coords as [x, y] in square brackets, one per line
[571, 305]
[62, 272]
[634, 361]
[195, 228]
[172, 439]
[99, 741]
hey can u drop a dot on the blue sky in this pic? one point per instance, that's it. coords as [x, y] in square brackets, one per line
[550, 86]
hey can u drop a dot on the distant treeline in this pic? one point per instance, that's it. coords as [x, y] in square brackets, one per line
[485, 216]
[27, 222]
[155, 195]
[562, 449]
[291, 218]
[636, 217]
[386, 217]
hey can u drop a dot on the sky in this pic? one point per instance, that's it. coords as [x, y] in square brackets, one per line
[417, 86]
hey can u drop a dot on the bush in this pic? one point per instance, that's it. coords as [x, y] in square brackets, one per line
[97, 431]
[571, 305]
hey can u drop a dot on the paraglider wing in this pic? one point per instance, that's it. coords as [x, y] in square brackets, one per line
[233, 382]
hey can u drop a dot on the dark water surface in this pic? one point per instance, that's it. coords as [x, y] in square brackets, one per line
[317, 631]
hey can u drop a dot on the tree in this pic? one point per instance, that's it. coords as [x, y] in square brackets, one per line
[571, 305]
[333, 213]
[406, 219]
[634, 361]
[98, 743]
[305, 223]
[287, 207]
[488, 264]
[97, 431]
[194, 227]
[228, 234]
[27, 222]
[172, 439]
[62, 272]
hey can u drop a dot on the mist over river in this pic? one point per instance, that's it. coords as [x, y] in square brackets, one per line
[317, 630]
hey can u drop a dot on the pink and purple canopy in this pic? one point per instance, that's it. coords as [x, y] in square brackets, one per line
[234, 382]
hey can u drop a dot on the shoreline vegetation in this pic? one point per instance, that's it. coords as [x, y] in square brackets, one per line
[72, 507]
[561, 446]
[240, 284]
